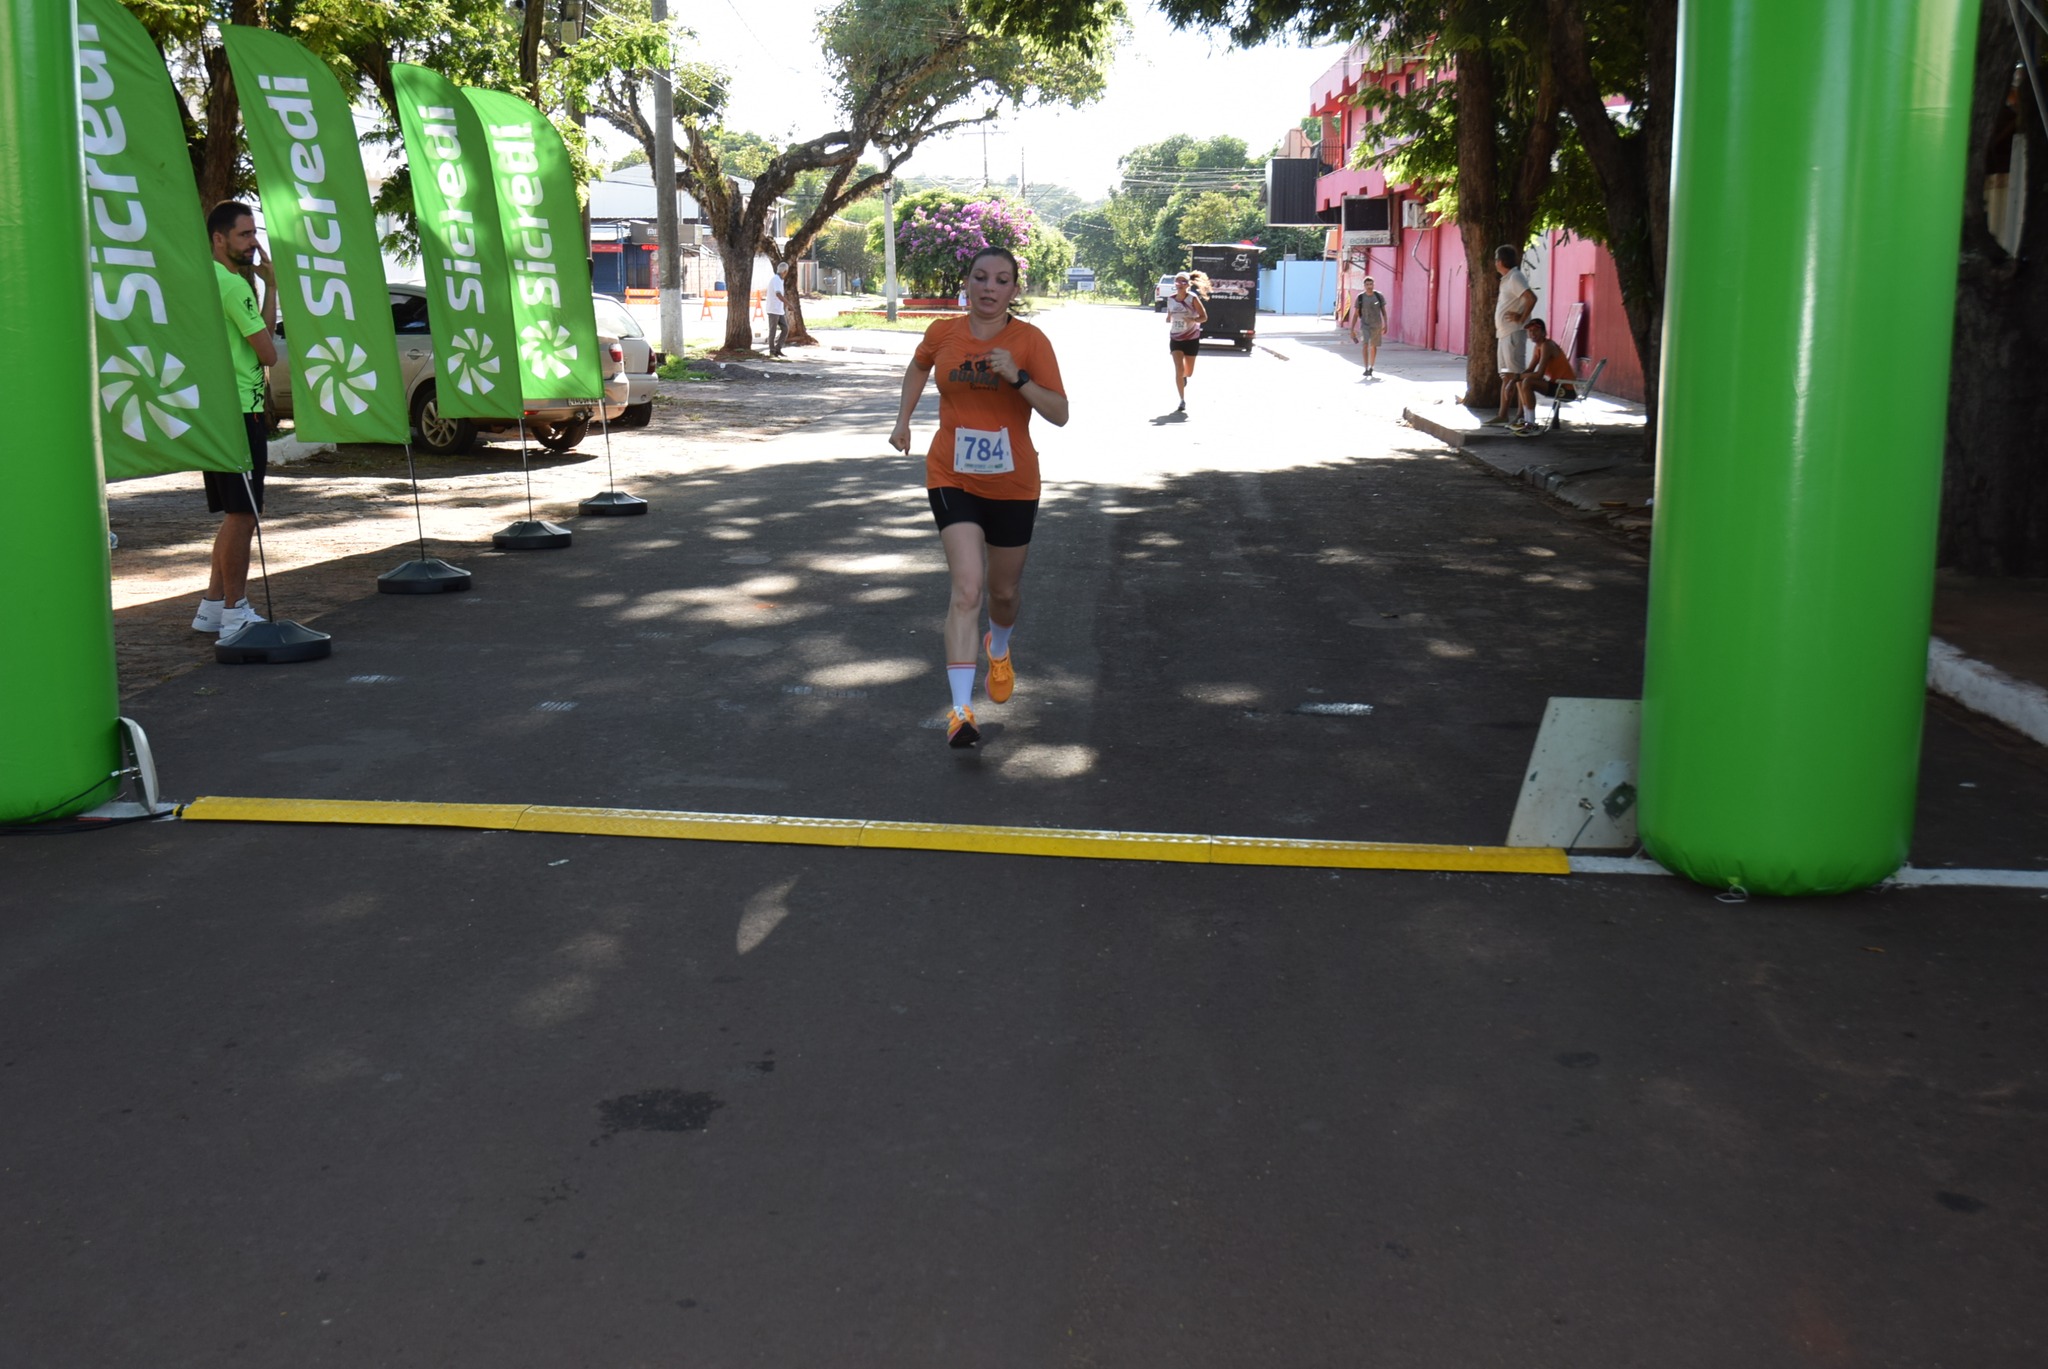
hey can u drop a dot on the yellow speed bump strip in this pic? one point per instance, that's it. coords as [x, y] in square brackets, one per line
[897, 836]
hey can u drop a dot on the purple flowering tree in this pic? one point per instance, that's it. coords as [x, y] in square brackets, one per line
[939, 231]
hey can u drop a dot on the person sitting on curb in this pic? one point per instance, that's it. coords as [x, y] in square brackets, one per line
[1550, 374]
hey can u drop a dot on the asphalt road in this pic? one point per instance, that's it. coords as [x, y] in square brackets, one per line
[316, 1096]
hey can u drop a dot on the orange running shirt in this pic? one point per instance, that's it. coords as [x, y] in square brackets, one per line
[972, 395]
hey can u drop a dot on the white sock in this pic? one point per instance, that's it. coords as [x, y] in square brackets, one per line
[961, 678]
[999, 639]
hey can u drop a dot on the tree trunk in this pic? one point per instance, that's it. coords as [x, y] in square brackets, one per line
[216, 160]
[1994, 498]
[214, 164]
[1480, 220]
[1490, 213]
[796, 336]
[1634, 171]
[739, 238]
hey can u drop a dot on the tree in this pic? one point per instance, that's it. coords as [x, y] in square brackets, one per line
[844, 246]
[905, 71]
[1994, 505]
[938, 232]
[1635, 57]
[1213, 217]
[1116, 239]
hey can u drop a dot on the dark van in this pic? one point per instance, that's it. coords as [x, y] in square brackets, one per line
[1233, 272]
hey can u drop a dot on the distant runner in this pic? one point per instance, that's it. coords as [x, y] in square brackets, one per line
[1185, 315]
[981, 473]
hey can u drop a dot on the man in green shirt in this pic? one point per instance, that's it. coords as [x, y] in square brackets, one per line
[237, 498]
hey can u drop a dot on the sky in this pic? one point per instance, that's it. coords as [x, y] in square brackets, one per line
[1162, 82]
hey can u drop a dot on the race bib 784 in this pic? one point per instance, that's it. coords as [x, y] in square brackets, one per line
[976, 452]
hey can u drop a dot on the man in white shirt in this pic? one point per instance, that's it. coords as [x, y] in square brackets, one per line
[1513, 308]
[777, 305]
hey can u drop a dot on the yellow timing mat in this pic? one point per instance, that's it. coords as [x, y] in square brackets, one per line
[896, 836]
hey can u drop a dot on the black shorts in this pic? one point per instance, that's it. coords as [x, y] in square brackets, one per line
[225, 492]
[1547, 386]
[1004, 522]
[1189, 345]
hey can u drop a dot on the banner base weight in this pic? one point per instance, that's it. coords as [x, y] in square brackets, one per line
[613, 504]
[531, 535]
[431, 576]
[278, 643]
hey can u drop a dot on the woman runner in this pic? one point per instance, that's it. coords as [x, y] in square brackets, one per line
[981, 474]
[1185, 315]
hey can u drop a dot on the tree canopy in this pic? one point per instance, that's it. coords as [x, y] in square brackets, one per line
[1170, 194]
[903, 72]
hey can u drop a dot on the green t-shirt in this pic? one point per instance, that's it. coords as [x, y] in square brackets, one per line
[238, 302]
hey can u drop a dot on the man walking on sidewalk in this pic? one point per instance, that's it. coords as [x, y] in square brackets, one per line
[239, 499]
[778, 314]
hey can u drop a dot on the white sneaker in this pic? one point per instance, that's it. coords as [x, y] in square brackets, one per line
[233, 620]
[208, 617]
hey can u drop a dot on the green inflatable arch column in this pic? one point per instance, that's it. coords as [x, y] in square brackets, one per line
[1815, 217]
[58, 697]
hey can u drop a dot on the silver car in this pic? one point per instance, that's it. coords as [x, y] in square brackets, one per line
[615, 319]
[556, 428]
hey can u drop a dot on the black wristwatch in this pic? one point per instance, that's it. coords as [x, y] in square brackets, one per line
[1023, 378]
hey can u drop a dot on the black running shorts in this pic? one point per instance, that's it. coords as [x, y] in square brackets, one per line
[1190, 345]
[1004, 522]
[225, 492]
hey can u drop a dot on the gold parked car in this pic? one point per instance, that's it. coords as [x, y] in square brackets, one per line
[556, 428]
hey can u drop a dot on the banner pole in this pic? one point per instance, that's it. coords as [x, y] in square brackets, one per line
[613, 502]
[59, 704]
[531, 533]
[273, 640]
[428, 574]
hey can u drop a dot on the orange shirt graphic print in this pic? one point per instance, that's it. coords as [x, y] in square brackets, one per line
[974, 395]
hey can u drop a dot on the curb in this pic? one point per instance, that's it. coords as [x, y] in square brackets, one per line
[1985, 689]
[1449, 436]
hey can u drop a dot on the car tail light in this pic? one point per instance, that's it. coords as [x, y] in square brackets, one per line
[618, 355]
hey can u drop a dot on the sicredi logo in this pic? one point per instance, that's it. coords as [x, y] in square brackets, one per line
[139, 385]
[519, 166]
[286, 98]
[123, 278]
[544, 344]
[462, 274]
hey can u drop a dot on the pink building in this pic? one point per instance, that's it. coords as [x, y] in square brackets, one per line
[1423, 273]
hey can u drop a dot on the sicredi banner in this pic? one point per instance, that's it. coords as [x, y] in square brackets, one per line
[346, 384]
[166, 387]
[543, 226]
[469, 290]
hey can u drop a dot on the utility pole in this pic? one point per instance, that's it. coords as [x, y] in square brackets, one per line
[984, 156]
[889, 245]
[668, 245]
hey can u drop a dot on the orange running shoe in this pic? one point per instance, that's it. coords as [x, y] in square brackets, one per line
[960, 729]
[1002, 677]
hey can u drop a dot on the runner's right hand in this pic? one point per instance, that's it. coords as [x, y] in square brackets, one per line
[900, 438]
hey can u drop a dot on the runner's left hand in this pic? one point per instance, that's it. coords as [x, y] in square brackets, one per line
[1004, 365]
